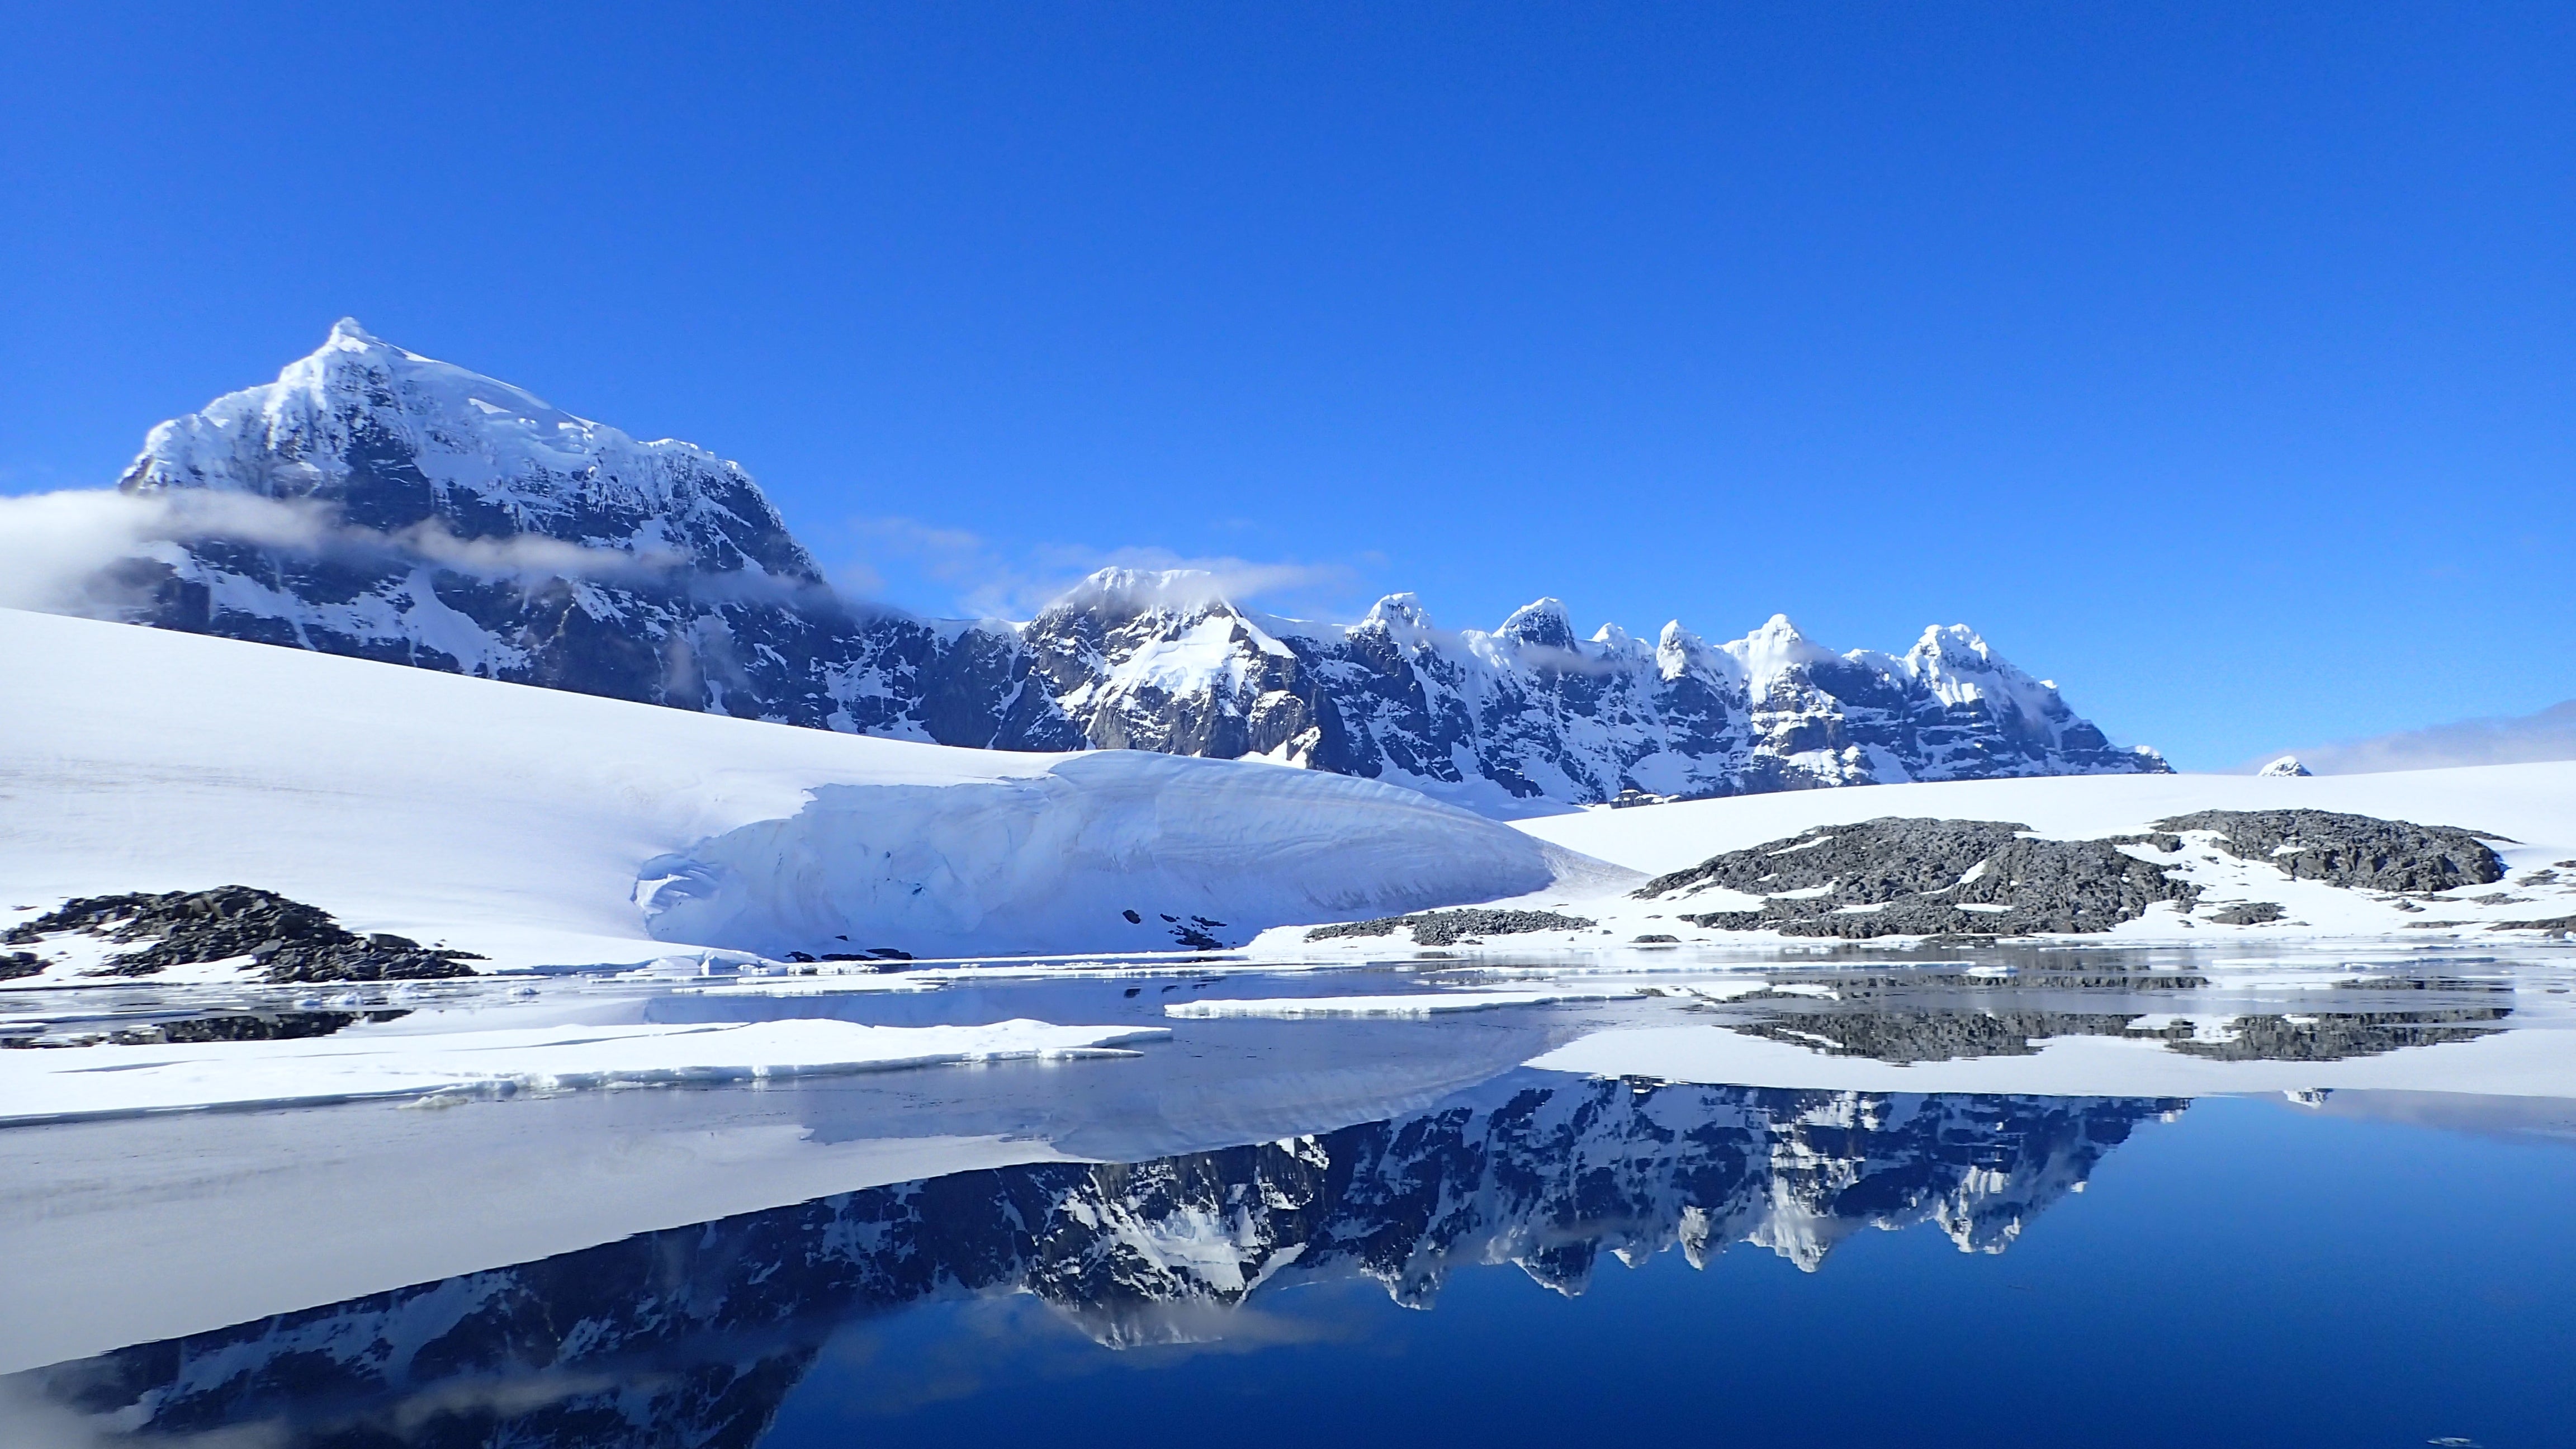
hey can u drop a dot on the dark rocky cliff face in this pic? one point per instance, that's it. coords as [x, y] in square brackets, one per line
[382, 505]
[694, 1336]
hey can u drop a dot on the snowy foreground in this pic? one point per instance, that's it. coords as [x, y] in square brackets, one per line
[540, 828]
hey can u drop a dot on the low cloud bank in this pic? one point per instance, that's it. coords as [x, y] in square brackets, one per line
[990, 580]
[2518, 740]
[59, 552]
[72, 552]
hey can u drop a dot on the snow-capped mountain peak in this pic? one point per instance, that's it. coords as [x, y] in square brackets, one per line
[1123, 593]
[1678, 651]
[1775, 649]
[392, 440]
[1542, 623]
[1399, 617]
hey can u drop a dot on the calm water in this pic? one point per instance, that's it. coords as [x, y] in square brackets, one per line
[1503, 1255]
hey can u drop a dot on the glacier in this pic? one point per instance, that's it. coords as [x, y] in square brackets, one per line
[547, 828]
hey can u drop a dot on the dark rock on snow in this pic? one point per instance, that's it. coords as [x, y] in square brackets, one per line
[2549, 926]
[286, 941]
[1900, 877]
[1892, 877]
[2352, 850]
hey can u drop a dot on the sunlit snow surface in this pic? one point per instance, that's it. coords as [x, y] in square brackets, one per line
[546, 829]
[368, 1062]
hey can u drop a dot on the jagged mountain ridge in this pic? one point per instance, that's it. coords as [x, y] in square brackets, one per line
[406, 510]
[708, 1326]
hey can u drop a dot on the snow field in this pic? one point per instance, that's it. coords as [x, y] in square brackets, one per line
[513, 821]
[2528, 1061]
[2533, 806]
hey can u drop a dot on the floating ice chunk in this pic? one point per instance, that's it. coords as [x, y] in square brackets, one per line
[114, 1081]
[1429, 1003]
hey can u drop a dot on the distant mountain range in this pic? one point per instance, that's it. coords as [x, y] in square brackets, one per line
[2549, 734]
[376, 503]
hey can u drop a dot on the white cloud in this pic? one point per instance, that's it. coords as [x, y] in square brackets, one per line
[59, 551]
[53, 545]
[989, 582]
[56, 549]
[36, 1421]
[2522, 739]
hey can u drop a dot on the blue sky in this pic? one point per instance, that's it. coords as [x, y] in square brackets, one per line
[2216, 361]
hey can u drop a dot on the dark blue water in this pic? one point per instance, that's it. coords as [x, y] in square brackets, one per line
[2246, 1275]
[2136, 1272]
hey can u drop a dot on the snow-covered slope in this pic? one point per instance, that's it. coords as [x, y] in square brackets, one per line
[519, 823]
[377, 503]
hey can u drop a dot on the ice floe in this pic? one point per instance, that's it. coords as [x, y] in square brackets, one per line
[2517, 1063]
[1394, 1003]
[77, 1083]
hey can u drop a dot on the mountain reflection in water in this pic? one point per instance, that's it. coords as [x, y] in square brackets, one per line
[695, 1335]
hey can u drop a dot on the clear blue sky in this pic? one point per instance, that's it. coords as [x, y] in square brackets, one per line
[2216, 361]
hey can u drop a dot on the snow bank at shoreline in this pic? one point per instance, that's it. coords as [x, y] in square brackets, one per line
[82, 1083]
[2523, 1062]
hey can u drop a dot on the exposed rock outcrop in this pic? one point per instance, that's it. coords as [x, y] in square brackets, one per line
[1448, 928]
[1892, 877]
[1908, 877]
[2352, 850]
[280, 939]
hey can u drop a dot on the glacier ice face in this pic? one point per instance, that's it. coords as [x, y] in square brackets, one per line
[439, 518]
[1113, 851]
